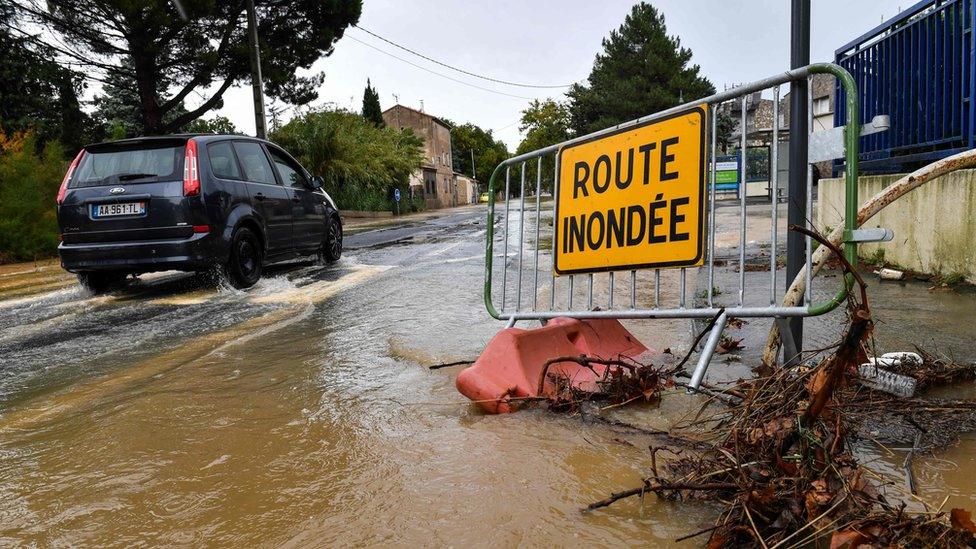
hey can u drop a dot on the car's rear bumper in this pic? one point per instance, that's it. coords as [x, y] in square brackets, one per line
[195, 253]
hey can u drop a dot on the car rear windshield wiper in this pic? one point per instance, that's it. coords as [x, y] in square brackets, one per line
[131, 176]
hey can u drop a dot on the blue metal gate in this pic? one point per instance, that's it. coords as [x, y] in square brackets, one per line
[918, 69]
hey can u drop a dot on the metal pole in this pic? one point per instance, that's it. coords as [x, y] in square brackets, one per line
[774, 178]
[257, 84]
[796, 211]
[708, 350]
[474, 178]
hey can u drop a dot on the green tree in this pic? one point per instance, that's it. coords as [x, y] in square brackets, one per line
[117, 110]
[488, 152]
[371, 105]
[725, 125]
[30, 175]
[167, 58]
[217, 124]
[641, 71]
[36, 93]
[360, 163]
[544, 123]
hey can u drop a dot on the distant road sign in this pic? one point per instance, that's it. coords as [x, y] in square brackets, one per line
[396, 194]
[634, 198]
[727, 174]
[727, 171]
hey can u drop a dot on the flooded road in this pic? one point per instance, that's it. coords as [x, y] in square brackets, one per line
[300, 412]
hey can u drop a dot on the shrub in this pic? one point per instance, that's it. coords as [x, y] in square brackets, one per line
[360, 163]
[952, 279]
[877, 258]
[29, 182]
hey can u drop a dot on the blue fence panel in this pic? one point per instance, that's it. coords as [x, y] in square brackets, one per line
[918, 69]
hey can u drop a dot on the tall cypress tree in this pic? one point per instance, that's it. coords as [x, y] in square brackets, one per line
[641, 70]
[371, 105]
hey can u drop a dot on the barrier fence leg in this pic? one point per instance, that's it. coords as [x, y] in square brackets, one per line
[707, 351]
[791, 355]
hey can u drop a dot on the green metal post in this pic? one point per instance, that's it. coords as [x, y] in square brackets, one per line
[852, 142]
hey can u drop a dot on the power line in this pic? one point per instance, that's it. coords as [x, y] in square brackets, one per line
[506, 126]
[469, 73]
[437, 73]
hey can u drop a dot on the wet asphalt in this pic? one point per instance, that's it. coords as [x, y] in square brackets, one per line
[51, 339]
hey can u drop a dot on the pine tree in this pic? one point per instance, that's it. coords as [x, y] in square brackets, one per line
[641, 71]
[36, 93]
[167, 58]
[371, 106]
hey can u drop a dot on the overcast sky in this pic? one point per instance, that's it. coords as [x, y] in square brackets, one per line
[551, 42]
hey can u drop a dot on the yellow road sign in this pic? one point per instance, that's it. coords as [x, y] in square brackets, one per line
[634, 198]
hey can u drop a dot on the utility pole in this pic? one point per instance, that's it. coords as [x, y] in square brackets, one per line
[474, 177]
[257, 84]
[799, 133]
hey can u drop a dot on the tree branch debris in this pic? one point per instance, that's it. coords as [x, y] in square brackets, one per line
[781, 455]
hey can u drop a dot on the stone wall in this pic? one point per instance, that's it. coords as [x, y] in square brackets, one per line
[934, 225]
[467, 190]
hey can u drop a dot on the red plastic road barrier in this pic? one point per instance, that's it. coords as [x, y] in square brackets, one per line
[511, 365]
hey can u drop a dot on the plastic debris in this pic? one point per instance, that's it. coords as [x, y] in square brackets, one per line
[874, 375]
[520, 366]
[890, 274]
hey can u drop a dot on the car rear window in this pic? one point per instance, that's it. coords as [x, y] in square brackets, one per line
[144, 164]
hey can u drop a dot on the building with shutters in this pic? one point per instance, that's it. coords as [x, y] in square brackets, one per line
[435, 181]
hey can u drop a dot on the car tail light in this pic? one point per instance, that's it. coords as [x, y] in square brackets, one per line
[67, 176]
[191, 176]
[201, 228]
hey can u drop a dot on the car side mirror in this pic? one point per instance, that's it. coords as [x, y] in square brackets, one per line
[317, 182]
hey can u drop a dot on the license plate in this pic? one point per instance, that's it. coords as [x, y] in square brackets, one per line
[118, 209]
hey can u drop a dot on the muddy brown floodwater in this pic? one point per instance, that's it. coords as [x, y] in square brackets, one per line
[298, 413]
[301, 413]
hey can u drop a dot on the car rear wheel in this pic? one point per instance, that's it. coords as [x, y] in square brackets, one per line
[332, 246]
[244, 264]
[98, 282]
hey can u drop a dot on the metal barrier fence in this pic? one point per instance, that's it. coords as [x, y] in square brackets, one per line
[521, 269]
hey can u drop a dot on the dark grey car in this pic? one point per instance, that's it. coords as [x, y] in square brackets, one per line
[214, 203]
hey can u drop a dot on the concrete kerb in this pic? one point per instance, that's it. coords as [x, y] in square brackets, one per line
[354, 225]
